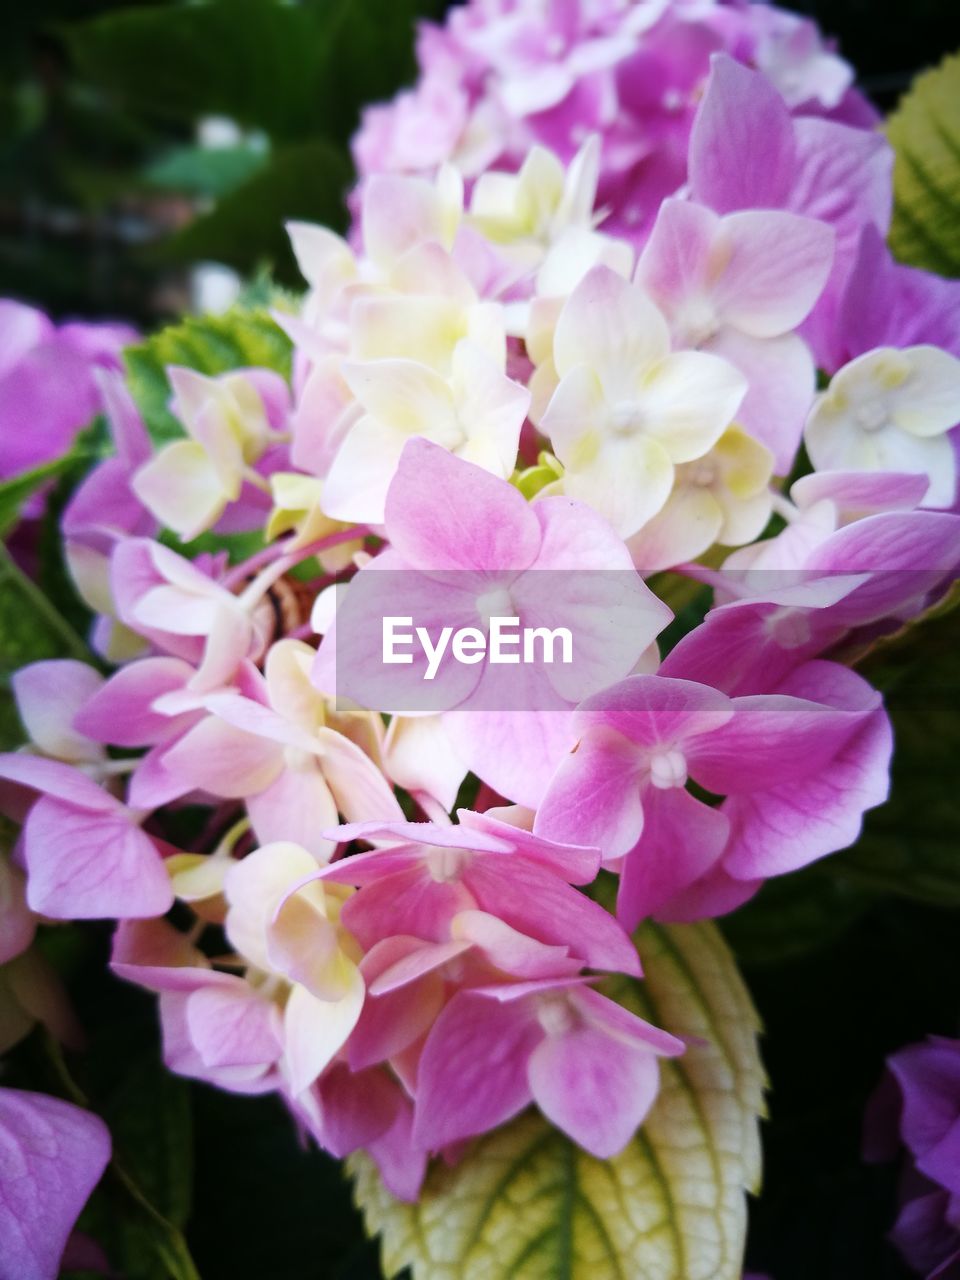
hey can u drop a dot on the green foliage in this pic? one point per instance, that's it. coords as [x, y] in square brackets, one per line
[205, 171]
[306, 181]
[209, 344]
[15, 491]
[298, 73]
[925, 134]
[909, 845]
[525, 1202]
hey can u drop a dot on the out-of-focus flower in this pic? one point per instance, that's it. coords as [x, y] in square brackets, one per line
[48, 382]
[497, 79]
[918, 1106]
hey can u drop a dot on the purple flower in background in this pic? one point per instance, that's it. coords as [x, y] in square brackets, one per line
[48, 384]
[918, 1105]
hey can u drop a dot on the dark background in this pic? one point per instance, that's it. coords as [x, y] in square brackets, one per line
[96, 188]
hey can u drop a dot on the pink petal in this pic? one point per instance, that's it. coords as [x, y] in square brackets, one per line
[742, 152]
[396, 1017]
[542, 906]
[794, 824]
[431, 527]
[355, 1109]
[83, 865]
[594, 796]
[402, 1165]
[53, 1155]
[216, 757]
[782, 382]
[121, 711]
[777, 267]
[473, 1071]
[774, 739]
[410, 902]
[596, 1089]
[509, 950]
[514, 754]
[296, 806]
[49, 695]
[233, 1026]
[52, 778]
[577, 864]
[682, 840]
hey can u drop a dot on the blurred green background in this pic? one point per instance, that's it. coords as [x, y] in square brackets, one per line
[106, 194]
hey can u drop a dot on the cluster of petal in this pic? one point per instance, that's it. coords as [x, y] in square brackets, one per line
[498, 78]
[520, 390]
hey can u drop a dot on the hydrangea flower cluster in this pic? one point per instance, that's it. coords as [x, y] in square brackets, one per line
[493, 397]
[501, 76]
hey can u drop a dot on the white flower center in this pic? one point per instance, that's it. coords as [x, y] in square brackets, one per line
[495, 604]
[872, 415]
[702, 474]
[668, 769]
[298, 759]
[446, 865]
[627, 417]
[555, 1015]
[790, 628]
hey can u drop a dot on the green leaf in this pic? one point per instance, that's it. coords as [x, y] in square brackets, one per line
[252, 60]
[307, 181]
[209, 344]
[527, 1204]
[925, 135]
[31, 627]
[909, 844]
[15, 491]
[206, 171]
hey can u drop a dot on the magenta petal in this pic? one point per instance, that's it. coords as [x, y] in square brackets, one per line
[355, 1108]
[52, 1155]
[594, 796]
[577, 864]
[742, 152]
[402, 1165]
[792, 825]
[682, 840]
[83, 865]
[473, 1071]
[595, 1088]
[543, 906]
[409, 902]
